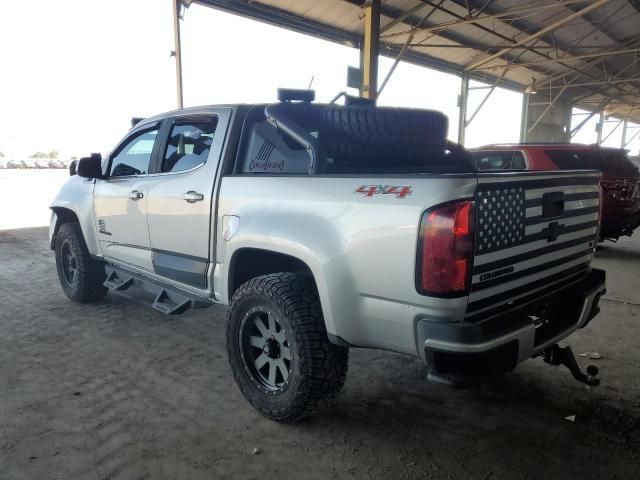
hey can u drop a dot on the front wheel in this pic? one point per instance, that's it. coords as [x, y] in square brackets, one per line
[278, 347]
[81, 277]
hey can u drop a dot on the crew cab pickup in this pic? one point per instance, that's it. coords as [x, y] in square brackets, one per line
[325, 227]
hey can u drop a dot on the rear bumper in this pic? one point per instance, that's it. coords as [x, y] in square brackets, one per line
[464, 353]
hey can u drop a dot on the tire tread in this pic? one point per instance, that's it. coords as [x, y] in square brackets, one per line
[324, 365]
[90, 272]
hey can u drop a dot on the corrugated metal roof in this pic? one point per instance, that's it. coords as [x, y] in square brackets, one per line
[593, 59]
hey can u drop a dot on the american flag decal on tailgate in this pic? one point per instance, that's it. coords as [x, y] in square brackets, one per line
[532, 232]
[501, 216]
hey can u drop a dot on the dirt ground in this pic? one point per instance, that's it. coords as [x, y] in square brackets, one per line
[117, 390]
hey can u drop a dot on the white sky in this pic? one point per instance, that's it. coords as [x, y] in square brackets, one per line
[75, 71]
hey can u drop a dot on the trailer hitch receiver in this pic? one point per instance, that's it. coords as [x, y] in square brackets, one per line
[557, 355]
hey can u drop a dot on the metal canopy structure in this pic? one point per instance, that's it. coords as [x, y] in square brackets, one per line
[569, 52]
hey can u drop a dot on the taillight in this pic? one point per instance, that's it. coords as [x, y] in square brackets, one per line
[621, 191]
[445, 251]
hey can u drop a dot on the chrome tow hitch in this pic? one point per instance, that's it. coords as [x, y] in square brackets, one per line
[556, 355]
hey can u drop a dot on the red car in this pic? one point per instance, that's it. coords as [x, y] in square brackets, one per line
[620, 176]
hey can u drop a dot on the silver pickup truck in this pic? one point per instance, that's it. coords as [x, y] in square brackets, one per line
[325, 227]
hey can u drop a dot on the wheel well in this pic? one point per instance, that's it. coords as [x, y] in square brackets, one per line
[64, 216]
[248, 263]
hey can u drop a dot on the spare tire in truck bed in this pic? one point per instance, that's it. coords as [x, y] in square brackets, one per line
[352, 139]
[424, 126]
[379, 140]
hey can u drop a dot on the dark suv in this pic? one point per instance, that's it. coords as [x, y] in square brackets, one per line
[620, 176]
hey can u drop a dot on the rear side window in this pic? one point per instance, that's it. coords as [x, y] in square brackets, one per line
[617, 161]
[607, 161]
[133, 157]
[189, 143]
[269, 150]
[500, 160]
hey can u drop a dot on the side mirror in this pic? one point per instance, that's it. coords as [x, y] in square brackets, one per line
[90, 167]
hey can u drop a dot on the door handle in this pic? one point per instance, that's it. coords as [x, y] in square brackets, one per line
[135, 195]
[192, 196]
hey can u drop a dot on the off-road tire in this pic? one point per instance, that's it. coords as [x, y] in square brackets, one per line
[364, 138]
[390, 123]
[318, 368]
[89, 276]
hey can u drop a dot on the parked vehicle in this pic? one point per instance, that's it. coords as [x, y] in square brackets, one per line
[325, 227]
[17, 164]
[41, 163]
[54, 163]
[620, 180]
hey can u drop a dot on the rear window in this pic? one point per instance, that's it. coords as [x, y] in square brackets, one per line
[500, 160]
[607, 161]
[347, 143]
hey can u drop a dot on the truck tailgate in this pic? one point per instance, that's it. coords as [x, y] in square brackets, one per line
[534, 233]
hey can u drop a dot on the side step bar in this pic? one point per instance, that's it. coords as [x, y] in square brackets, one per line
[163, 298]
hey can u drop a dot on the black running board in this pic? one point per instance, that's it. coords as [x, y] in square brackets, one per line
[163, 298]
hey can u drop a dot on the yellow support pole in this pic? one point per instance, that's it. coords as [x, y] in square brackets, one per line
[370, 48]
[178, 49]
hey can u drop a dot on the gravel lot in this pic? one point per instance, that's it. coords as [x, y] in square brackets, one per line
[117, 390]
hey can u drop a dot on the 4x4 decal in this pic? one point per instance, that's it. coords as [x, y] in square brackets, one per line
[400, 191]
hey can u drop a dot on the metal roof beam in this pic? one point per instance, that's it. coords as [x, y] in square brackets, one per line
[524, 28]
[565, 58]
[539, 33]
[612, 131]
[298, 23]
[603, 83]
[283, 18]
[504, 37]
[541, 116]
[601, 25]
[402, 17]
[394, 49]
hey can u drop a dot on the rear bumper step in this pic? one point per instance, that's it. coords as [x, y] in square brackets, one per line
[461, 354]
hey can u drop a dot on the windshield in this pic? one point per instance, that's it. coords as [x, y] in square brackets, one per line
[612, 161]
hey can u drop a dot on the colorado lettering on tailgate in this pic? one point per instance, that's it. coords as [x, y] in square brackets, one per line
[496, 273]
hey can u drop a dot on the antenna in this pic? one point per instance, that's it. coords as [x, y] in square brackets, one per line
[311, 82]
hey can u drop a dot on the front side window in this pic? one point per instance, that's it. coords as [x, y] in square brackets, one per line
[189, 143]
[135, 156]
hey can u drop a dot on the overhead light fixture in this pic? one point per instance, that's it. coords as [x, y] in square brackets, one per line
[531, 88]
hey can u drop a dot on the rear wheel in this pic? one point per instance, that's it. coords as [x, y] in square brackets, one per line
[81, 277]
[278, 348]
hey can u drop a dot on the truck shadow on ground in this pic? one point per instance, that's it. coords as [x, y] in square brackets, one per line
[617, 251]
[518, 421]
